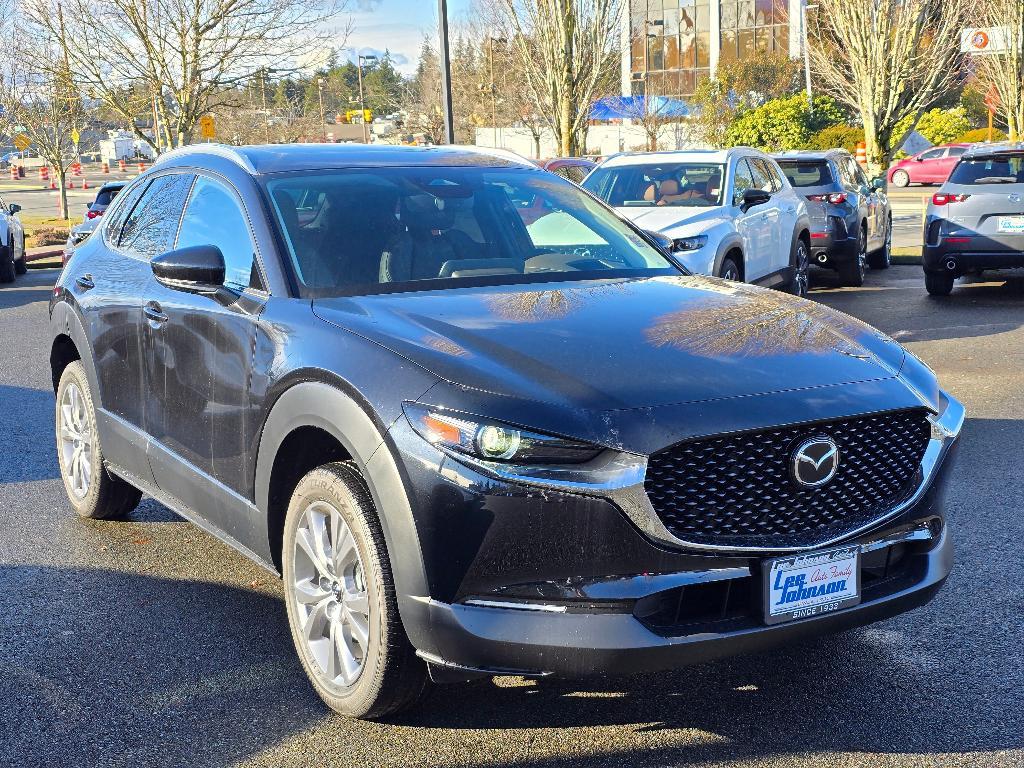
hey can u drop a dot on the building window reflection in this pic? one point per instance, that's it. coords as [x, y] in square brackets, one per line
[671, 46]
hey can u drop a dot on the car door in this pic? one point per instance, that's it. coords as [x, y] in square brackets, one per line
[768, 220]
[783, 215]
[107, 287]
[927, 170]
[198, 350]
[868, 203]
[749, 223]
[948, 162]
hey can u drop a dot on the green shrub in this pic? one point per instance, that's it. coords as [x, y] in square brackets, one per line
[980, 134]
[942, 126]
[844, 136]
[786, 123]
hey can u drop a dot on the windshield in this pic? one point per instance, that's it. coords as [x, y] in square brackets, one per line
[676, 184]
[397, 229]
[998, 169]
[807, 174]
[106, 195]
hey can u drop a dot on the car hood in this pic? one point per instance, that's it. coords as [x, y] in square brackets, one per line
[624, 343]
[680, 221]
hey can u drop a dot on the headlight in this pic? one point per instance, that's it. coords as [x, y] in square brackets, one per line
[493, 441]
[689, 243]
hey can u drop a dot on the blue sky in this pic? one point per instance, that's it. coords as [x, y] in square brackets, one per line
[398, 26]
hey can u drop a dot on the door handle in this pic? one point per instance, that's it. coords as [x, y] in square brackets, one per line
[85, 281]
[154, 314]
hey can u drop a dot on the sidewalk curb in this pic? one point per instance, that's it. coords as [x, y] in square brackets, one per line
[908, 255]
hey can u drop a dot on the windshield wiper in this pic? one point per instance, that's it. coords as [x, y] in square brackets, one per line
[997, 180]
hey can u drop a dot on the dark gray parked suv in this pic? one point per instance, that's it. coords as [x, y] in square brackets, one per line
[851, 222]
[475, 443]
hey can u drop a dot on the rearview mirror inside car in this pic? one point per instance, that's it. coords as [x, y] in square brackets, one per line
[752, 197]
[196, 269]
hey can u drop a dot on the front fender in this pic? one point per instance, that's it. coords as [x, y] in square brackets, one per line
[316, 404]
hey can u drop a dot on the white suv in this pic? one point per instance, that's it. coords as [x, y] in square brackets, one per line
[729, 213]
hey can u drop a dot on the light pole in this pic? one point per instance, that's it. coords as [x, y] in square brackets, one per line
[323, 123]
[362, 100]
[446, 72]
[266, 113]
[804, 7]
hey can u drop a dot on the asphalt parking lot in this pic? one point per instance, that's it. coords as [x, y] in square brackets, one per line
[148, 642]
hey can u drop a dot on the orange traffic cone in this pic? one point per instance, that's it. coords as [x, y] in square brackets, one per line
[71, 184]
[85, 183]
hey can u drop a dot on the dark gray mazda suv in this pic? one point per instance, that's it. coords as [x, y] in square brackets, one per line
[474, 444]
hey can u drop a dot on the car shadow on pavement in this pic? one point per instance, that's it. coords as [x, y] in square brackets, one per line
[27, 435]
[30, 289]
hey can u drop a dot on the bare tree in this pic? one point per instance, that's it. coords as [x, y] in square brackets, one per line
[888, 61]
[568, 52]
[1004, 70]
[176, 60]
[42, 102]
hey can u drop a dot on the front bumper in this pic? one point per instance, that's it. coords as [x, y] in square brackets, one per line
[532, 581]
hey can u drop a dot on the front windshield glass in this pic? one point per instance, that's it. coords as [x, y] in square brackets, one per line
[697, 185]
[398, 229]
[1000, 169]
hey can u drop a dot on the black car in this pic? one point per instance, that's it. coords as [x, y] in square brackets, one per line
[851, 221]
[476, 447]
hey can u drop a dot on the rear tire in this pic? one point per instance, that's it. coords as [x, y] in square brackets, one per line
[341, 600]
[21, 265]
[851, 273]
[91, 490]
[800, 283]
[901, 178]
[7, 268]
[938, 285]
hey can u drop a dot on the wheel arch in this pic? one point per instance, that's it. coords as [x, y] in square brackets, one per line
[69, 343]
[731, 246]
[308, 417]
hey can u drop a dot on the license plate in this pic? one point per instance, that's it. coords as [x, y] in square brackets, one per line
[812, 584]
[1014, 224]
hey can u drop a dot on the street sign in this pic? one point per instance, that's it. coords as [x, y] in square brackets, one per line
[992, 99]
[207, 127]
[74, 136]
[980, 40]
[22, 142]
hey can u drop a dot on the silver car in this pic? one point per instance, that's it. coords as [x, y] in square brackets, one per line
[975, 221]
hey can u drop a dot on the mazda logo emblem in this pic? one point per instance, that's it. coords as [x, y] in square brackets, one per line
[815, 462]
[1014, 197]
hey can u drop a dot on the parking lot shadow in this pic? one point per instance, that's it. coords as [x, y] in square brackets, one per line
[27, 435]
[33, 287]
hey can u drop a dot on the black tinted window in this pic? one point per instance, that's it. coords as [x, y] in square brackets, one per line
[214, 217]
[151, 226]
[106, 196]
[1001, 169]
[807, 174]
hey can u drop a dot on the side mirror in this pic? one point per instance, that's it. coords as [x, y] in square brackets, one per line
[664, 241]
[878, 182]
[14, 208]
[918, 159]
[196, 269]
[752, 197]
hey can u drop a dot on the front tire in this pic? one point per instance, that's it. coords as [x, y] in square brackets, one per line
[882, 258]
[938, 285]
[92, 491]
[7, 268]
[901, 178]
[729, 270]
[341, 600]
[21, 265]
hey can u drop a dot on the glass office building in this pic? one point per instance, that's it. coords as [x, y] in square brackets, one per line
[669, 46]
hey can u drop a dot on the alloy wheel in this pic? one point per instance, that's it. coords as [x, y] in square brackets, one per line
[862, 253]
[801, 279]
[730, 272]
[76, 441]
[329, 588]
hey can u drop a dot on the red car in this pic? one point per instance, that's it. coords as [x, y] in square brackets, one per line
[932, 166]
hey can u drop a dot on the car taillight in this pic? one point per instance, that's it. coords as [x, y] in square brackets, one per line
[941, 198]
[835, 198]
[93, 214]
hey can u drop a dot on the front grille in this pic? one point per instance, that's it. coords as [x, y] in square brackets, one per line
[736, 490]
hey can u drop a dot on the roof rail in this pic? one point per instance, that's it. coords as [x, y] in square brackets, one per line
[220, 150]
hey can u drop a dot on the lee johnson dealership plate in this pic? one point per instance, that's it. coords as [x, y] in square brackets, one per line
[1011, 224]
[811, 585]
